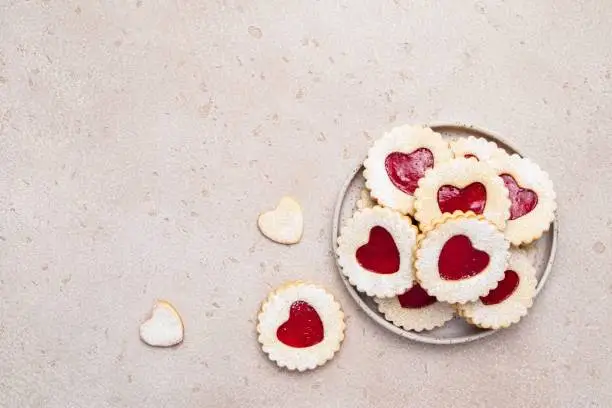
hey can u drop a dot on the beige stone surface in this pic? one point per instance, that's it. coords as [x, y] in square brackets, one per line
[139, 140]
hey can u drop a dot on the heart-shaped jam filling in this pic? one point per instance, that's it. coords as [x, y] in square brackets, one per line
[460, 260]
[504, 289]
[380, 254]
[472, 197]
[405, 170]
[523, 200]
[304, 327]
[416, 298]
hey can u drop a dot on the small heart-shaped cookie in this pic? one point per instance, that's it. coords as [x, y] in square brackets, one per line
[164, 328]
[284, 224]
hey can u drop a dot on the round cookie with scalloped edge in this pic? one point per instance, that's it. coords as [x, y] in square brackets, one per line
[300, 326]
[376, 251]
[397, 161]
[478, 148]
[461, 257]
[509, 301]
[415, 310]
[532, 197]
[461, 185]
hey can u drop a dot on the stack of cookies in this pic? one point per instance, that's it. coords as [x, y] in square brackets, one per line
[438, 230]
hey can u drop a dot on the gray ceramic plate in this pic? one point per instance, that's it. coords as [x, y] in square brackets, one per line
[542, 252]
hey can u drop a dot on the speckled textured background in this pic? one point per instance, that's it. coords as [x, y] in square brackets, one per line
[140, 139]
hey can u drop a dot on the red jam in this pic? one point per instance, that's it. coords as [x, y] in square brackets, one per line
[380, 254]
[405, 170]
[504, 289]
[470, 198]
[304, 327]
[460, 260]
[470, 155]
[523, 200]
[416, 298]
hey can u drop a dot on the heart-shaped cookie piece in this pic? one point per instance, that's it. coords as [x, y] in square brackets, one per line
[304, 327]
[164, 328]
[380, 253]
[405, 169]
[472, 197]
[284, 224]
[460, 260]
[523, 200]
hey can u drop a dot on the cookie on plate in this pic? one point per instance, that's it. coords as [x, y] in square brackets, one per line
[397, 161]
[531, 195]
[376, 251]
[461, 185]
[462, 257]
[415, 310]
[365, 200]
[300, 326]
[509, 301]
[478, 148]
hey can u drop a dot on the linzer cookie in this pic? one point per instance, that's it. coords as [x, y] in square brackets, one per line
[376, 251]
[476, 148]
[397, 161]
[301, 326]
[462, 257]
[509, 301]
[461, 185]
[415, 310]
[532, 198]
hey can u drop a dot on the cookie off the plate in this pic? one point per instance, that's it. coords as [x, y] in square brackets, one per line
[300, 326]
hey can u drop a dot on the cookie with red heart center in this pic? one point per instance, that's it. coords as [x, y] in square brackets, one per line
[397, 161]
[415, 310]
[380, 254]
[532, 198]
[303, 328]
[477, 148]
[509, 301]
[460, 257]
[461, 185]
[472, 197]
[376, 251]
[460, 260]
[300, 326]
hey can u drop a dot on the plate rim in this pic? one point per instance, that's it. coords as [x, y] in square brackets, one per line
[416, 336]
